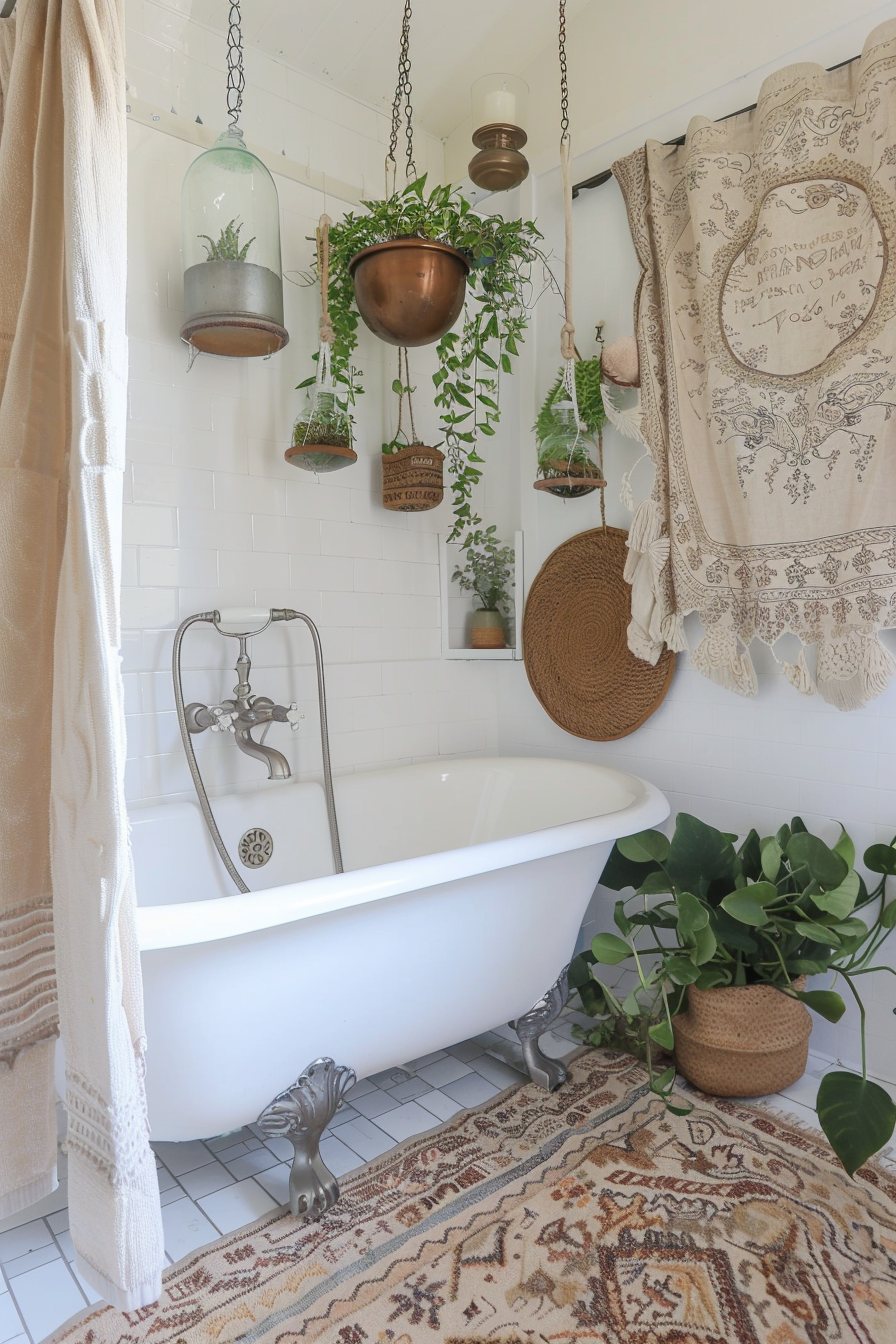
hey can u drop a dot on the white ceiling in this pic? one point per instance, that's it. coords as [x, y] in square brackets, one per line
[354, 44]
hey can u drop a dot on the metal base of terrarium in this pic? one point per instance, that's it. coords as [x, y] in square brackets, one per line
[233, 308]
[544, 1072]
[301, 1114]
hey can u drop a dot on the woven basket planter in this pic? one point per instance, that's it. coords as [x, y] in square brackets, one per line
[412, 479]
[487, 630]
[744, 1041]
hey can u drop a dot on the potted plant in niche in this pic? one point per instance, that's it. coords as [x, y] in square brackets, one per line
[733, 933]
[487, 573]
[499, 255]
[565, 439]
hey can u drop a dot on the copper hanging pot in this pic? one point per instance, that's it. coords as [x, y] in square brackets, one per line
[409, 291]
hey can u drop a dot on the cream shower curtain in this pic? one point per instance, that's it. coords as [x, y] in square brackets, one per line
[66, 869]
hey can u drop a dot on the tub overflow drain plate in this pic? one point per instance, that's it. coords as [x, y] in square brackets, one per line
[255, 848]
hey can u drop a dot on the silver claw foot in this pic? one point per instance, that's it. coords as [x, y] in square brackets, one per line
[544, 1072]
[301, 1114]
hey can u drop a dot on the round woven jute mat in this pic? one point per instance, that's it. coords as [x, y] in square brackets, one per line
[574, 641]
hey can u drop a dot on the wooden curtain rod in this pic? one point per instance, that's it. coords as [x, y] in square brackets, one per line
[600, 178]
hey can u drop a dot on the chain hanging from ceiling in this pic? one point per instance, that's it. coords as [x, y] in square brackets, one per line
[402, 91]
[236, 79]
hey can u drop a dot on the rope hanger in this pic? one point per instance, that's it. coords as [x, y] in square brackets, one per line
[568, 351]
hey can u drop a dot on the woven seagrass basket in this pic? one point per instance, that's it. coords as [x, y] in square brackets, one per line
[742, 1041]
[412, 479]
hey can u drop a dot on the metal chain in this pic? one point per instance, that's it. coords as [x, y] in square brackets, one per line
[564, 90]
[236, 80]
[403, 90]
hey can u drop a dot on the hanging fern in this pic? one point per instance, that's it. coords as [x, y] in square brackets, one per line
[588, 395]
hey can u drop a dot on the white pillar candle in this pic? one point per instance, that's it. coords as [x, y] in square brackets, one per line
[500, 106]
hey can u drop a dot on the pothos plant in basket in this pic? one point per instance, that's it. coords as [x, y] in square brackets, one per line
[501, 255]
[706, 914]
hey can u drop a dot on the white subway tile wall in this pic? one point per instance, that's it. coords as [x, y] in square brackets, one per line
[214, 515]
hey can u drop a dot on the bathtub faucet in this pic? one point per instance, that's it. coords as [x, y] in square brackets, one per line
[243, 714]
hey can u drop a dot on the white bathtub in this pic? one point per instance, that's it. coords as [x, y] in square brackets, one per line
[465, 886]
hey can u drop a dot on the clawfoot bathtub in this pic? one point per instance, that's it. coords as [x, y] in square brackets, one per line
[465, 886]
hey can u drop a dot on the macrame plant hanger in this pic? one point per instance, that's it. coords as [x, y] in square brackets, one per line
[322, 436]
[576, 481]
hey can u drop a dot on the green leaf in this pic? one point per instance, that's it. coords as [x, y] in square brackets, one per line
[579, 972]
[888, 916]
[747, 904]
[631, 1004]
[698, 855]
[692, 916]
[750, 856]
[818, 933]
[824, 1002]
[803, 966]
[609, 949]
[679, 1110]
[841, 900]
[621, 920]
[654, 884]
[397, 386]
[664, 1080]
[881, 859]
[662, 1034]
[620, 872]
[825, 866]
[730, 932]
[682, 970]
[772, 854]
[712, 978]
[857, 1116]
[705, 946]
[645, 847]
[845, 847]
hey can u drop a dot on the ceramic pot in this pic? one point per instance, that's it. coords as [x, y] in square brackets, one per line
[409, 291]
[487, 630]
[743, 1041]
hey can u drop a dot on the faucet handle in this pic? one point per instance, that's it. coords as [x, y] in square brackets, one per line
[294, 717]
[224, 719]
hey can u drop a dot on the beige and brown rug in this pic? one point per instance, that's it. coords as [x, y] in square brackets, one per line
[589, 1214]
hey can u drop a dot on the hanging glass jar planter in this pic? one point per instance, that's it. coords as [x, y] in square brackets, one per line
[564, 457]
[233, 284]
[322, 434]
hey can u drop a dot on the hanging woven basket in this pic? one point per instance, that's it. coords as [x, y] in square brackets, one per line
[409, 291]
[413, 479]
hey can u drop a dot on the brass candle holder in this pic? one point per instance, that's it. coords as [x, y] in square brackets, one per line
[499, 165]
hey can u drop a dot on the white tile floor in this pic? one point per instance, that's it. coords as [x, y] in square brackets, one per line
[215, 1187]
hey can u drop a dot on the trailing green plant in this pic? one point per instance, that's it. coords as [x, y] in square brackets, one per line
[590, 402]
[501, 254]
[227, 247]
[765, 913]
[487, 571]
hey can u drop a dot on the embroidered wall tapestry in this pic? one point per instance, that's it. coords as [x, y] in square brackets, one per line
[767, 343]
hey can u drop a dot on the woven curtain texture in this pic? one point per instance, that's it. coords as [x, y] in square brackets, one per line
[767, 343]
[67, 875]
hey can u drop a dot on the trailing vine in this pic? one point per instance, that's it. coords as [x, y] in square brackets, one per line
[501, 254]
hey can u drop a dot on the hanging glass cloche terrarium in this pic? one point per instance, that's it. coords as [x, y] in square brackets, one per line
[233, 285]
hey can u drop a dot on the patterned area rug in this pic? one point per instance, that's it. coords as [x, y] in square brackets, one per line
[587, 1214]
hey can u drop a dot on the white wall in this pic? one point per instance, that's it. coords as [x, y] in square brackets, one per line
[213, 514]
[734, 762]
